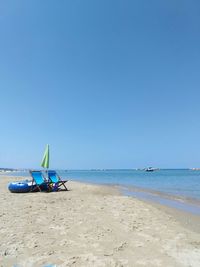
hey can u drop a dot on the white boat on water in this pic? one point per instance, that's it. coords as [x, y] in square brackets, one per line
[151, 169]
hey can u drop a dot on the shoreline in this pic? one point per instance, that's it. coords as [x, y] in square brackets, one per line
[159, 200]
[152, 197]
[186, 218]
[180, 203]
[92, 225]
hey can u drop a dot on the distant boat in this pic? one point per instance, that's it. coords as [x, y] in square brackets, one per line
[150, 169]
[195, 169]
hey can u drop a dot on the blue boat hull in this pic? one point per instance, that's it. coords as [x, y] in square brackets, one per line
[24, 187]
[19, 187]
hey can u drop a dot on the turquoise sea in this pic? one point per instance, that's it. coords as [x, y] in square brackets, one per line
[184, 183]
[173, 187]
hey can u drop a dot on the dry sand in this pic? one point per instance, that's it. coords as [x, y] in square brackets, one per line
[90, 226]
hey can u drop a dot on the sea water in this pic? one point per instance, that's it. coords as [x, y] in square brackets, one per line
[185, 183]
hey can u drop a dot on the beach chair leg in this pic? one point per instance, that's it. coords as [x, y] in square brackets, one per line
[64, 186]
[63, 183]
[39, 188]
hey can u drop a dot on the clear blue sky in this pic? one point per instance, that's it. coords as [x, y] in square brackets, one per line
[107, 83]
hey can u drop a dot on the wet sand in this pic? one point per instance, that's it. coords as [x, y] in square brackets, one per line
[93, 225]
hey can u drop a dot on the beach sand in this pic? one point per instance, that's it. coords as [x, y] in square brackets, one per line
[91, 225]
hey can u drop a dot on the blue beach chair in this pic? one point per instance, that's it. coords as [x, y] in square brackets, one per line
[55, 179]
[39, 182]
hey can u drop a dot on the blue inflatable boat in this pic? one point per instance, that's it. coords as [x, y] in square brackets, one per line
[25, 187]
[20, 186]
